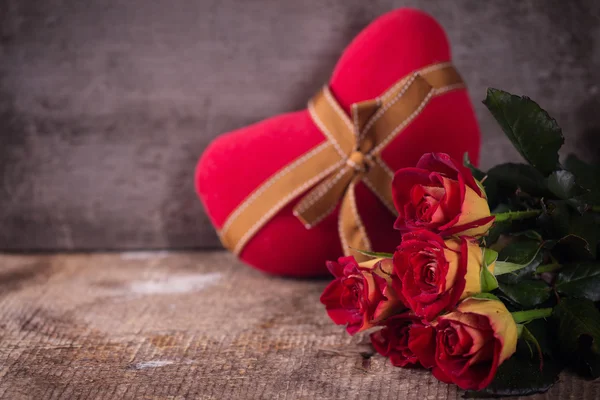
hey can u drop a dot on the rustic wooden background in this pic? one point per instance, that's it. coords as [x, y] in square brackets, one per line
[105, 105]
[189, 326]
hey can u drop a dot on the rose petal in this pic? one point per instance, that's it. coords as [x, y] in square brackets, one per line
[443, 163]
[404, 180]
[421, 342]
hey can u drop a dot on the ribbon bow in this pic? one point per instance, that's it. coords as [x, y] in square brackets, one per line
[351, 154]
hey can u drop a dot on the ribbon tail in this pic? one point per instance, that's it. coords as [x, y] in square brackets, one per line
[353, 235]
[379, 180]
[322, 200]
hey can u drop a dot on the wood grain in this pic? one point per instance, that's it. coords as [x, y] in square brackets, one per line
[188, 326]
[106, 105]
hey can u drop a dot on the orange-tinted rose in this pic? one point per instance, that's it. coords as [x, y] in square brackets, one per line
[393, 340]
[472, 342]
[441, 196]
[433, 274]
[361, 294]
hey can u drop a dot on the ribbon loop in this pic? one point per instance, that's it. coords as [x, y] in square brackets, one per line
[362, 112]
[349, 155]
[322, 200]
[353, 234]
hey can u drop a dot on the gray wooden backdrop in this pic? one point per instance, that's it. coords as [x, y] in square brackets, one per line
[105, 105]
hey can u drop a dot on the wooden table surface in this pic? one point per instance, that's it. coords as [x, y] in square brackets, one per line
[187, 326]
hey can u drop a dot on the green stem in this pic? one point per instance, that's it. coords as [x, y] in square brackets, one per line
[516, 215]
[595, 208]
[529, 315]
[547, 268]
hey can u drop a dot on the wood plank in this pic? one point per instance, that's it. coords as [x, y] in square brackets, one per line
[187, 326]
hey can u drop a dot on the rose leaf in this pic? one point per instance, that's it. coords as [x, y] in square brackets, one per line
[570, 248]
[545, 335]
[487, 296]
[587, 228]
[510, 178]
[477, 173]
[587, 176]
[520, 375]
[527, 293]
[531, 130]
[523, 252]
[579, 333]
[520, 252]
[580, 280]
[562, 184]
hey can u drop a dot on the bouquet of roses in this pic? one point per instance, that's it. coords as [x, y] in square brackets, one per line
[495, 302]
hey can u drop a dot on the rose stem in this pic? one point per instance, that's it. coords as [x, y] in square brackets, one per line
[530, 315]
[516, 215]
[547, 268]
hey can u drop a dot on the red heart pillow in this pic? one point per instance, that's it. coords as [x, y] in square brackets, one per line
[236, 163]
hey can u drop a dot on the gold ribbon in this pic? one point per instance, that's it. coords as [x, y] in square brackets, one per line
[350, 154]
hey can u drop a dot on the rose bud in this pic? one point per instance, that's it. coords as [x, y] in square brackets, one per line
[393, 340]
[442, 196]
[473, 341]
[361, 295]
[432, 274]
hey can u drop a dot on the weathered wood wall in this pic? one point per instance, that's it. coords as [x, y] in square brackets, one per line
[105, 105]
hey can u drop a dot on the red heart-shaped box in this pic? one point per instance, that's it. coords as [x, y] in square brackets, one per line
[236, 163]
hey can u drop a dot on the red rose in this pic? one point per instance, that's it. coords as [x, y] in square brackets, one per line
[433, 274]
[441, 196]
[466, 346]
[393, 340]
[361, 296]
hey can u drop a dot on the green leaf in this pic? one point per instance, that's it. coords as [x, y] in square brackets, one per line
[581, 232]
[562, 184]
[489, 257]
[530, 234]
[532, 131]
[519, 252]
[499, 228]
[512, 177]
[579, 332]
[587, 228]
[527, 293]
[590, 364]
[577, 318]
[555, 219]
[375, 254]
[530, 338]
[488, 280]
[477, 173]
[587, 176]
[520, 375]
[487, 296]
[545, 335]
[487, 185]
[505, 267]
[571, 248]
[580, 280]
